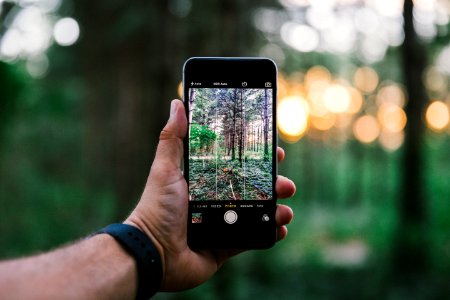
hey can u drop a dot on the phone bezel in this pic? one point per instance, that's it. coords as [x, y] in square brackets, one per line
[224, 236]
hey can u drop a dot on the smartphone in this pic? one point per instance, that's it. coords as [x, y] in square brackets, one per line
[230, 152]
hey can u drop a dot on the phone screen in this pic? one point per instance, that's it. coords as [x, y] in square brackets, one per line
[230, 152]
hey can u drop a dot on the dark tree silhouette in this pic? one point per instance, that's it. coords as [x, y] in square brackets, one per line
[410, 248]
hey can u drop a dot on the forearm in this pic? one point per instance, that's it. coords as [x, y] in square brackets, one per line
[95, 268]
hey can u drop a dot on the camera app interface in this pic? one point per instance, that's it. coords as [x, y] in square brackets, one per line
[230, 144]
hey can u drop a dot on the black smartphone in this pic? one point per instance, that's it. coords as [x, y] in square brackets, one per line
[230, 152]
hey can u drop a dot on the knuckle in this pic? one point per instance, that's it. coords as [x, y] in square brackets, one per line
[166, 135]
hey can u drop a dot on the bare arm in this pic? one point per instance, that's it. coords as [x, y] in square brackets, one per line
[95, 268]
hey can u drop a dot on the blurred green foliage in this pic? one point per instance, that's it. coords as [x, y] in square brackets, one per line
[77, 143]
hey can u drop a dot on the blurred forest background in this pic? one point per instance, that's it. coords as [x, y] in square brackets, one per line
[363, 115]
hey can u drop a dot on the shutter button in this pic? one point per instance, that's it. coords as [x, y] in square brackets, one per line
[230, 217]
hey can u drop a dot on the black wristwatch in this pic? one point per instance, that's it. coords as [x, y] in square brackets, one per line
[148, 260]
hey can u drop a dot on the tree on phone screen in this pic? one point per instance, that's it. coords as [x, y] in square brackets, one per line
[230, 143]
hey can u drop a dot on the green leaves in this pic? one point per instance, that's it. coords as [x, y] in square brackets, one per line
[201, 138]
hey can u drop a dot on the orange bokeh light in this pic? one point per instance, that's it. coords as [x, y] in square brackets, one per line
[366, 79]
[437, 116]
[292, 115]
[180, 90]
[391, 93]
[336, 98]
[366, 129]
[315, 74]
[356, 101]
[323, 123]
[391, 117]
[315, 96]
[391, 141]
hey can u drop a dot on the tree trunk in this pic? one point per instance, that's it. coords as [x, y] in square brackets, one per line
[410, 249]
[266, 127]
[241, 130]
[129, 82]
[233, 132]
[191, 108]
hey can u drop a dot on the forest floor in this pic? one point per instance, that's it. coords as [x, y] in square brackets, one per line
[227, 180]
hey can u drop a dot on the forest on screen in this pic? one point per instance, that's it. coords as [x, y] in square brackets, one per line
[230, 144]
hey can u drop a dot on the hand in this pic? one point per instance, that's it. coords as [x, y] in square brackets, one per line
[162, 211]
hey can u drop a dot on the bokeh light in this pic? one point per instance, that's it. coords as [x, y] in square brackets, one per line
[316, 81]
[366, 129]
[66, 31]
[29, 34]
[388, 8]
[37, 66]
[343, 121]
[29, 28]
[437, 116]
[392, 118]
[292, 118]
[316, 99]
[443, 60]
[391, 141]
[317, 74]
[328, 104]
[392, 93]
[435, 81]
[356, 101]
[366, 79]
[180, 90]
[337, 98]
[323, 123]
[300, 37]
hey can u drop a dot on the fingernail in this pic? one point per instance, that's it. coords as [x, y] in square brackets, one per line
[173, 108]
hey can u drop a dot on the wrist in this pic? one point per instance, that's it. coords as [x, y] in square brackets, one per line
[143, 250]
[138, 223]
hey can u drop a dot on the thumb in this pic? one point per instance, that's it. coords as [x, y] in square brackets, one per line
[170, 148]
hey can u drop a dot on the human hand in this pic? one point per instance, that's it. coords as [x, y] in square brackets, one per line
[162, 211]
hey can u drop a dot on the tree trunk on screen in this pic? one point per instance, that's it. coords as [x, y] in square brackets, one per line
[191, 107]
[266, 127]
[233, 130]
[241, 129]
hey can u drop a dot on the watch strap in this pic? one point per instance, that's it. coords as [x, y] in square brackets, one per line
[148, 260]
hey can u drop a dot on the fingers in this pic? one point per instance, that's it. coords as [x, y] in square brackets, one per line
[177, 124]
[283, 215]
[170, 148]
[282, 232]
[281, 154]
[284, 187]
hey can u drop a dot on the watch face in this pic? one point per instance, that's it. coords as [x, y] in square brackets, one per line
[230, 152]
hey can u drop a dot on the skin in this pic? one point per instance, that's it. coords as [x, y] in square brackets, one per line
[99, 268]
